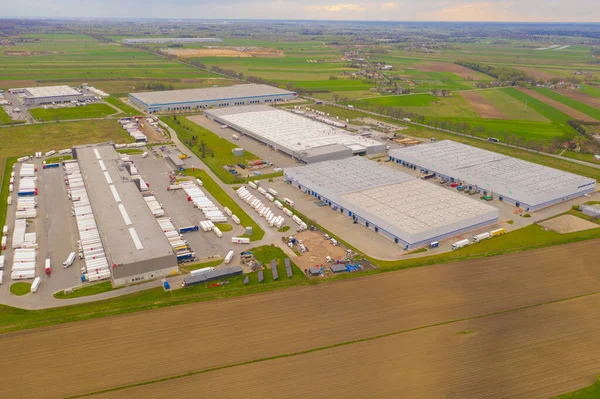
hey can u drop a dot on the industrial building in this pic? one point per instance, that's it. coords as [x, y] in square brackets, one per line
[133, 241]
[524, 184]
[194, 99]
[403, 208]
[35, 96]
[167, 40]
[301, 138]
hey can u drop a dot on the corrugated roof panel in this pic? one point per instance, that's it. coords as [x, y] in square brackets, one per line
[136, 239]
[115, 193]
[125, 215]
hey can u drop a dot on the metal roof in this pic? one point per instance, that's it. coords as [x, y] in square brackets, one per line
[227, 93]
[294, 132]
[51, 91]
[128, 228]
[409, 208]
[528, 182]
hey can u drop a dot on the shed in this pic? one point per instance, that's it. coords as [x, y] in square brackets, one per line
[314, 271]
[338, 268]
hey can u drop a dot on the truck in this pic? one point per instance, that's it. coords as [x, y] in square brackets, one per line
[481, 237]
[188, 229]
[240, 240]
[497, 232]
[202, 271]
[70, 260]
[273, 192]
[288, 201]
[434, 244]
[460, 244]
[229, 256]
[36, 284]
[47, 267]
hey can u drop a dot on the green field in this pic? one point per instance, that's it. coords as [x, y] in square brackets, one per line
[225, 200]
[591, 90]
[127, 109]
[59, 158]
[4, 118]
[427, 105]
[590, 392]
[586, 109]
[554, 115]
[218, 150]
[7, 165]
[63, 114]
[20, 288]
[91, 289]
[130, 151]
[511, 107]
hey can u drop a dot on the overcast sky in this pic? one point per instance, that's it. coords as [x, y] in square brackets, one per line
[388, 10]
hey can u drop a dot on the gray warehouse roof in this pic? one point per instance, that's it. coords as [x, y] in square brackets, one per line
[208, 94]
[530, 183]
[120, 222]
[51, 91]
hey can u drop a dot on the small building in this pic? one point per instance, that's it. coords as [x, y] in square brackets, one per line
[35, 96]
[189, 100]
[590, 210]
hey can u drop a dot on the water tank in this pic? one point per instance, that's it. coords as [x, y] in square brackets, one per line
[238, 152]
[249, 230]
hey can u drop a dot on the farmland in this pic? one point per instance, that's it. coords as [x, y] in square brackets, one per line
[425, 307]
[61, 114]
[588, 110]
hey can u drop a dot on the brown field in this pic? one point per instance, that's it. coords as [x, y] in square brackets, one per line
[482, 106]
[581, 97]
[573, 113]
[459, 70]
[537, 74]
[537, 353]
[568, 224]
[226, 52]
[99, 354]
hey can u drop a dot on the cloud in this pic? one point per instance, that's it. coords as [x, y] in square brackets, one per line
[477, 11]
[392, 5]
[339, 8]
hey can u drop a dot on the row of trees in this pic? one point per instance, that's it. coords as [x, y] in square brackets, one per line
[501, 74]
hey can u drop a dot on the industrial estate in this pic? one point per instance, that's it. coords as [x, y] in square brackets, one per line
[180, 177]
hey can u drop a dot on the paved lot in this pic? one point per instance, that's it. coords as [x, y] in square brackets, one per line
[56, 234]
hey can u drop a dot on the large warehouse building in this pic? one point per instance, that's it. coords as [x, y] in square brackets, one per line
[523, 184]
[34, 96]
[134, 244]
[194, 99]
[297, 136]
[405, 209]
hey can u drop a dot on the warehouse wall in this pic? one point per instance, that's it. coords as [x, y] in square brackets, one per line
[198, 105]
[145, 270]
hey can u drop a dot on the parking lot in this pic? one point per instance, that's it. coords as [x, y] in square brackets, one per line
[56, 233]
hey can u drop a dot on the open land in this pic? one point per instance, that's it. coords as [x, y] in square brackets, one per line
[581, 97]
[333, 314]
[459, 70]
[559, 106]
[484, 108]
[568, 224]
[70, 113]
[226, 52]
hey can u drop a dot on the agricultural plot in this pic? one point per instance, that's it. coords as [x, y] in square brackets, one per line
[76, 59]
[428, 105]
[591, 90]
[333, 314]
[510, 107]
[558, 105]
[459, 70]
[62, 114]
[484, 108]
[559, 118]
[582, 96]
[567, 99]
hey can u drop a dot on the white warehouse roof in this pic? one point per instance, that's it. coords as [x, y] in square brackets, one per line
[522, 181]
[293, 134]
[226, 93]
[51, 91]
[409, 208]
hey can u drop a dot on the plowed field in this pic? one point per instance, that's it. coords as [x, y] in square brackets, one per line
[459, 70]
[484, 108]
[100, 354]
[581, 97]
[575, 114]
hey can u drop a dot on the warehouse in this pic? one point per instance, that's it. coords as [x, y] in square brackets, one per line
[301, 138]
[523, 184]
[134, 243]
[35, 96]
[407, 210]
[194, 99]
[167, 40]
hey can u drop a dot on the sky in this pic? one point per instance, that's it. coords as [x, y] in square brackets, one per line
[364, 10]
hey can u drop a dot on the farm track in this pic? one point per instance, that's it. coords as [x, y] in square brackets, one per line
[130, 349]
[575, 114]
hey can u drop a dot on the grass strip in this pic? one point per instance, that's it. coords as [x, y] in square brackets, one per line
[128, 110]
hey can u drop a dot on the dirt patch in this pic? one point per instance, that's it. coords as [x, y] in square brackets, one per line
[19, 53]
[568, 224]
[17, 83]
[226, 52]
[459, 70]
[573, 113]
[581, 97]
[482, 106]
[318, 249]
[537, 74]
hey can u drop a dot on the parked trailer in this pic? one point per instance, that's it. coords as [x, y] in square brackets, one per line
[36, 284]
[434, 244]
[47, 267]
[70, 260]
[288, 201]
[497, 232]
[240, 240]
[217, 232]
[188, 229]
[229, 256]
[201, 271]
[460, 244]
[481, 237]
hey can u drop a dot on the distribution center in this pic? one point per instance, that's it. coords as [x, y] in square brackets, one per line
[405, 209]
[193, 99]
[34, 96]
[133, 241]
[521, 183]
[302, 138]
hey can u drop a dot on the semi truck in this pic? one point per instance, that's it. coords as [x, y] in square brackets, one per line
[240, 240]
[481, 237]
[188, 229]
[460, 244]
[497, 232]
[70, 260]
